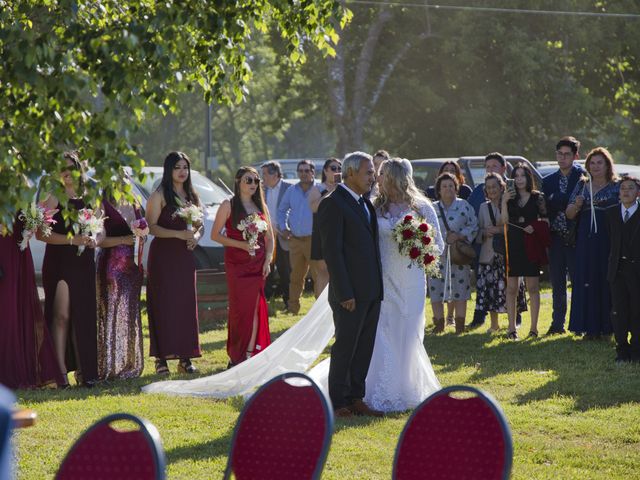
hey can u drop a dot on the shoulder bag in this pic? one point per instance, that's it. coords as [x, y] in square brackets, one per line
[460, 252]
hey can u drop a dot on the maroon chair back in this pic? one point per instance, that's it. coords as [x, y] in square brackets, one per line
[105, 453]
[454, 438]
[284, 431]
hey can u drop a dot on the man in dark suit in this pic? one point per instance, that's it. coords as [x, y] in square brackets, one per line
[349, 238]
[624, 270]
[275, 188]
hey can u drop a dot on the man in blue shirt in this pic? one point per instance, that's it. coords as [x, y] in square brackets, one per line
[295, 222]
[557, 189]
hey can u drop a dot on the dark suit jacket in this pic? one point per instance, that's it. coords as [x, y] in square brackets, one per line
[614, 221]
[557, 202]
[350, 248]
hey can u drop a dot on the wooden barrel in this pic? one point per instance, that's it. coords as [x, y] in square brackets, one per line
[211, 287]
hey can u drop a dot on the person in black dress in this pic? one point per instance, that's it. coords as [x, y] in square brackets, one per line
[521, 207]
[69, 279]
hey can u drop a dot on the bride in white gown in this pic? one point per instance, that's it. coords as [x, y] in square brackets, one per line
[400, 375]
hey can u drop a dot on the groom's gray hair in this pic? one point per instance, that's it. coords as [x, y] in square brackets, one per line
[352, 161]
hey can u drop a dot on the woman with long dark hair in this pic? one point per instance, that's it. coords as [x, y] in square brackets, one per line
[69, 279]
[246, 262]
[171, 286]
[522, 207]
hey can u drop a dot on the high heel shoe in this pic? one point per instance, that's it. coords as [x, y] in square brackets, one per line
[64, 385]
[161, 367]
[185, 366]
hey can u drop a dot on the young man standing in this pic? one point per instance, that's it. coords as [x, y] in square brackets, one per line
[557, 188]
[624, 270]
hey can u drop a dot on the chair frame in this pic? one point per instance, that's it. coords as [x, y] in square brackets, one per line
[489, 401]
[149, 431]
[328, 415]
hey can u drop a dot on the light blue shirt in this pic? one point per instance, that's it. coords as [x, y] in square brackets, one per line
[294, 213]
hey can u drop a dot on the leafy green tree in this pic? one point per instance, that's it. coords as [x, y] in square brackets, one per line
[84, 74]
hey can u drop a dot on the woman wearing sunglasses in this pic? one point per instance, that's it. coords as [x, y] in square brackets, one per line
[246, 266]
[331, 177]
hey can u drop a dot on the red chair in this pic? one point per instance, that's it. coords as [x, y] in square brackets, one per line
[107, 453]
[283, 432]
[455, 438]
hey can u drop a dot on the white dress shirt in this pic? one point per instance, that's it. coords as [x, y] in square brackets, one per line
[272, 200]
[632, 209]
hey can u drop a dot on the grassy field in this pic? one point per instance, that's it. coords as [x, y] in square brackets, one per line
[573, 412]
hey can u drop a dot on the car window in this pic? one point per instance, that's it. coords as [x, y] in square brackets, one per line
[424, 176]
[209, 192]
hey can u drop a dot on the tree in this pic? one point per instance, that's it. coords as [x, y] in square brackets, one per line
[83, 74]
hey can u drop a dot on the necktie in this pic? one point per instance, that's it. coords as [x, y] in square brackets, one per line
[364, 205]
[626, 216]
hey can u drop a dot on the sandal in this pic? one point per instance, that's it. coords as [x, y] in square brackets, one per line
[161, 367]
[185, 366]
[532, 334]
[512, 335]
[65, 384]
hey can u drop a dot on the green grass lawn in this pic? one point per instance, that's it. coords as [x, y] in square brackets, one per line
[573, 412]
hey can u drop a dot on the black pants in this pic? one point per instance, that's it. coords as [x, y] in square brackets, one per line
[278, 280]
[351, 351]
[625, 317]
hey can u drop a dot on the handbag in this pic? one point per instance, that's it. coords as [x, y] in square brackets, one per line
[497, 241]
[460, 252]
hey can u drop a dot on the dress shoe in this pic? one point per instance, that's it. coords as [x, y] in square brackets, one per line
[360, 408]
[343, 412]
[556, 331]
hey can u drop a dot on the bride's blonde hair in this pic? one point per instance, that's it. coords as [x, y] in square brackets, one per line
[397, 179]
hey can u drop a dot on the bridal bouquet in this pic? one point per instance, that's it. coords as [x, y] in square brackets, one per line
[88, 224]
[189, 212]
[36, 217]
[140, 229]
[251, 227]
[415, 239]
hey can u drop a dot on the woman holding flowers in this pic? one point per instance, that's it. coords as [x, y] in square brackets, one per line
[69, 279]
[457, 221]
[174, 217]
[248, 241]
[27, 358]
[119, 281]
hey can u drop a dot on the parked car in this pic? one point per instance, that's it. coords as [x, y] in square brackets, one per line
[425, 170]
[290, 165]
[208, 254]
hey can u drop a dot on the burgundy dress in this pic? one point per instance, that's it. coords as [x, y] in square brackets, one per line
[171, 294]
[246, 294]
[62, 263]
[27, 358]
[118, 282]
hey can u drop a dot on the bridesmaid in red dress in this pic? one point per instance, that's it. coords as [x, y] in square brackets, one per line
[171, 275]
[246, 269]
[27, 358]
[69, 283]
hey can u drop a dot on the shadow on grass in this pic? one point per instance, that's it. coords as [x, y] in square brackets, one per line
[583, 370]
[217, 447]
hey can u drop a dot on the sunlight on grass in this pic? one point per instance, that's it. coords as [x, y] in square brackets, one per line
[573, 411]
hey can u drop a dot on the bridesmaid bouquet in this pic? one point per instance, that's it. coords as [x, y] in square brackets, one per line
[189, 212]
[415, 239]
[140, 229]
[36, 217]
[251, 227]
[88, 224]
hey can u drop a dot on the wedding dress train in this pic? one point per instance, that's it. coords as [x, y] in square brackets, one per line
[400, 375]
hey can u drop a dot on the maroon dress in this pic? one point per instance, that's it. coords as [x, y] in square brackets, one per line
[27, 358]
[62, 263]
[118, 282]
[246, 294]
[171, 294]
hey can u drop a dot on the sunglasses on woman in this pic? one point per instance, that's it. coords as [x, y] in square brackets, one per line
[252, 180]
[335, 168]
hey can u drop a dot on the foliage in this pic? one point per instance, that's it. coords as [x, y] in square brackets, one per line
[572, 411]
[84, 74]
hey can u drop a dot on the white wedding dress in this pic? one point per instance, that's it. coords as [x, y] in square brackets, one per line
[400, 375]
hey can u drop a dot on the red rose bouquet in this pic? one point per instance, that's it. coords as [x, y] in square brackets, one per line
[415, 239]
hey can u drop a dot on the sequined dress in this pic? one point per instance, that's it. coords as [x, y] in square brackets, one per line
[118, 282]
